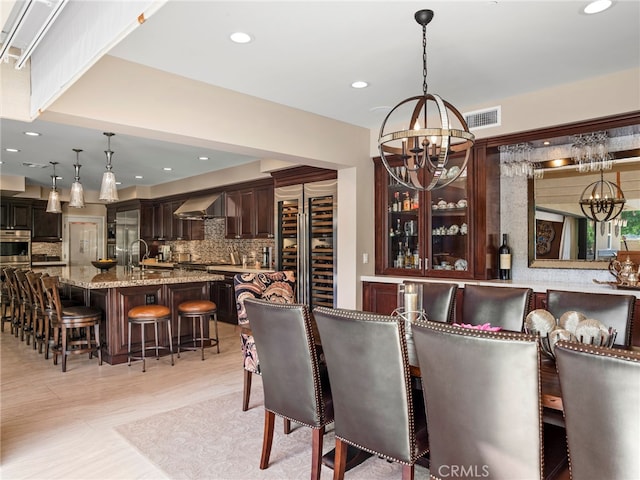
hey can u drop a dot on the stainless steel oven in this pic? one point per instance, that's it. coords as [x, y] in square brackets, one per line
[15, 248]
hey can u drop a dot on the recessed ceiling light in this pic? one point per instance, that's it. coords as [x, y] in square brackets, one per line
[12, 150]
[118, 183]
[597, 6]
[240, 37]
[360, 84]
[167, 169]
[203, 158]
[138, 176]
[32, 134]
[546, 142]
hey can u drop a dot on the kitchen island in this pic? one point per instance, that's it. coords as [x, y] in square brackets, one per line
[116, 291]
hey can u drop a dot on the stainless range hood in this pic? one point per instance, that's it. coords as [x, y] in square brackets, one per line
[200, 208]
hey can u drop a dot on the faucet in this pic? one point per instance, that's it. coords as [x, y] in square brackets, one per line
[146, 253]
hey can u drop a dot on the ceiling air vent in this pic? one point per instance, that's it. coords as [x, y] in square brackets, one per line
[489, 117]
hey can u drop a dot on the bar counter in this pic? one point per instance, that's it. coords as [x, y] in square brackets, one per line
[90, 277]
[117, 290]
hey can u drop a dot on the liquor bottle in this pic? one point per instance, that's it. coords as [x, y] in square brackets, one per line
[396, 202]
[406, 204]
[505, 259]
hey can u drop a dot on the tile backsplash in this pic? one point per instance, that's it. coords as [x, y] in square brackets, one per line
[47, 248]
[215, 247]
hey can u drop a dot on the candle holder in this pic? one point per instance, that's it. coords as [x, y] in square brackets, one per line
[410, 309]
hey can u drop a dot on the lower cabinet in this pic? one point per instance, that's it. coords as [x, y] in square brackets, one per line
[116, 303]
[223, 295]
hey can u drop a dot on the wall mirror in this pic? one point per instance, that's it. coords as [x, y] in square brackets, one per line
[560, 235]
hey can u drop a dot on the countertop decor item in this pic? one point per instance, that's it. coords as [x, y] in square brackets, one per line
[425, 149]
[104, 264]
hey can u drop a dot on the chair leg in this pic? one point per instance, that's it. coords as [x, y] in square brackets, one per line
[64, 348]
[267, 439]
[316, 452]
[202, 335]
[287, 426]
[96, 329]
[246, 393]
[340, 462]
[407, 472]
[179, 322]
[215, 327]
[170, 340]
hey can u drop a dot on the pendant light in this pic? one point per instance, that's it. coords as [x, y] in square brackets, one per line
[108, 190]
[602, 200]
[53, 205]
[424, 150]
[76, 197]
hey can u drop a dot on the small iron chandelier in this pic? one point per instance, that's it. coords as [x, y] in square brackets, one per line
[53, 204]
[602, 200]
[76, 197]
[108, 190]
[423, 148]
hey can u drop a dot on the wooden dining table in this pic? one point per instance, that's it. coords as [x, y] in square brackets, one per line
[549, 383]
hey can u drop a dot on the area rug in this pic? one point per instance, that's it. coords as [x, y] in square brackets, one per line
[215, 439]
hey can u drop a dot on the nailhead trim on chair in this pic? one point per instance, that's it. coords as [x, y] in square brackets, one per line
[316, 372]
[407, 374]
[504, 335]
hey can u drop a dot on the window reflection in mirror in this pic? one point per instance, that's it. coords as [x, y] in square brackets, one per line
[562, 232]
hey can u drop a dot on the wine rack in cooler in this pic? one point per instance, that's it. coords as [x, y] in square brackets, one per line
[322, 253]
[289, 231]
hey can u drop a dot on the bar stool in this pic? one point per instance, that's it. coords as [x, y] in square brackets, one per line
[144, 315]
[200, 309]
[65, 320]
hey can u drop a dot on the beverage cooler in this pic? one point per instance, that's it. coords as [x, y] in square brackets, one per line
[306, 237]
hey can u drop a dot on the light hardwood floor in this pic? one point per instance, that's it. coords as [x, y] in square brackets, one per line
[58, 425]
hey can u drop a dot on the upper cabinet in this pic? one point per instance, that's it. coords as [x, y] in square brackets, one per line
[15, 214]
[249, 211]
[449, 232]
[26, 214]
[47, 227]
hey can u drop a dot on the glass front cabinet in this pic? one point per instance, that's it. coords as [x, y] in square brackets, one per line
[452, 231]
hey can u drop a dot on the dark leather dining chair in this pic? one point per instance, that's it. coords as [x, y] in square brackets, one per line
[438, 301]
[295, 384]
[483, 402]
[612, 310]
[499, 306]
[375, 407]
[601, 400]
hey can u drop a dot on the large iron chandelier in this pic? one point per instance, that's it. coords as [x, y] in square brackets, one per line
[422, 148]
[602, 200]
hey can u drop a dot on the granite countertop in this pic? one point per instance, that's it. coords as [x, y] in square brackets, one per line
[91, 278]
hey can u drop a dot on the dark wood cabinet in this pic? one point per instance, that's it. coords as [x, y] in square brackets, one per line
[250, 212]
[379, 298]
[15, 214]
[263, 197]
[47, 227]
[449, 232]
[223, 295]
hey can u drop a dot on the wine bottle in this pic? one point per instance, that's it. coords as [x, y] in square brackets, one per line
[505, 259]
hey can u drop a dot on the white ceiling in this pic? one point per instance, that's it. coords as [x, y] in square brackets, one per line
[305, 54]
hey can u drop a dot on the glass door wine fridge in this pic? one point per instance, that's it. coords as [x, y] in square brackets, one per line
[306, 239]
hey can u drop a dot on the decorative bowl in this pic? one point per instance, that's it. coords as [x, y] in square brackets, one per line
[104, 264]
[573, 326]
